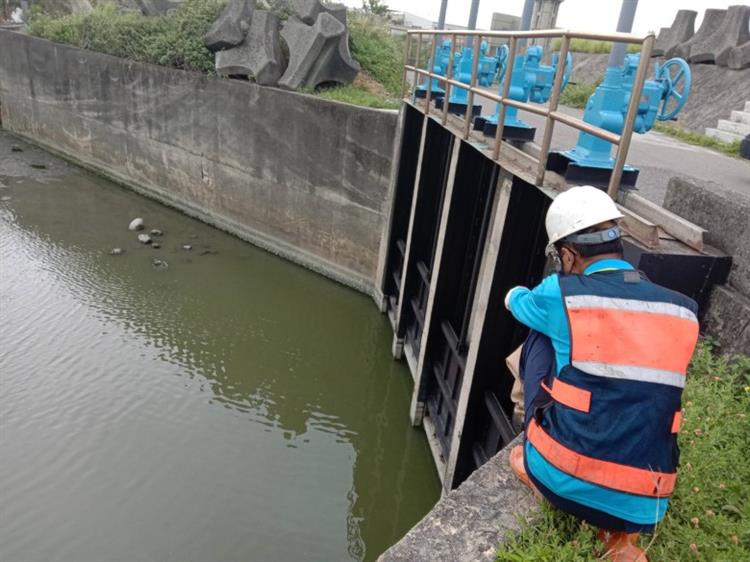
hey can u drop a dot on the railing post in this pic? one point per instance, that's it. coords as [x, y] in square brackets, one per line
[417, 61]
[448, 76]
[472, 85]
[406, 63]
[627, 130]
[549, 126]
[430, 69]
[506, 89]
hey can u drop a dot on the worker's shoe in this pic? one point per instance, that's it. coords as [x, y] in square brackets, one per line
[621, 547]
[516, 464]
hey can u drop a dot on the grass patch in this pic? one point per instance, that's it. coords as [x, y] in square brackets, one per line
[709, 515]
[379, 53]
[358, 96]
[698, 139]
[576, 95]
[591, 46]
[174, 39]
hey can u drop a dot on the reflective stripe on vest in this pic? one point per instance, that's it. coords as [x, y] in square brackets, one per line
[603, 473]
[569, 395]
[631, 339]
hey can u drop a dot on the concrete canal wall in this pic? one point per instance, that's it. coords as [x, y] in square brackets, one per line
[303, 177]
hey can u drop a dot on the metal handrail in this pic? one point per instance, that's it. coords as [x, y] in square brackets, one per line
[621, 141]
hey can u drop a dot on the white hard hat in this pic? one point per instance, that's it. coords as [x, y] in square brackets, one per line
[577, 209]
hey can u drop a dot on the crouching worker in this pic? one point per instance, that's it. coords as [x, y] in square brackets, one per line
[603, 371]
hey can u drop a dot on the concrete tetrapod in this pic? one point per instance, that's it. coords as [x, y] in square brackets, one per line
[230, 28]
[739, 57]
[712, 21]
[733, 34]
[259, 55]
[345, 68]
[306, 10]
[683, 28]
[316, 55]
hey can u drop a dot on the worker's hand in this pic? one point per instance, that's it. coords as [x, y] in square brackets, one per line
[508, 294]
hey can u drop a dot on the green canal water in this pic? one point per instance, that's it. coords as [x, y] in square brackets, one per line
[231, 406]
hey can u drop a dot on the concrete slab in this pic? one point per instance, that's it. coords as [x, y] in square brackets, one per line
[723, 213]
[712, 22]
[728, 320]
[738, 128]
[723, 136]
[230, 28]
[741, 117]
[682, 29]
[259, 55]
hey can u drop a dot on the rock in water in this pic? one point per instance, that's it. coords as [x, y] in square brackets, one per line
[144, 239]
[16, 148]
[115, 252]
[136, 224]
[38, 166]
[156, 232]
[156, 245]
[187, 247]
[159, 264]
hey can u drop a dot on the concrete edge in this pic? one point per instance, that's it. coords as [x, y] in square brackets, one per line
[469, 523]
[209, 75]
[273, 245]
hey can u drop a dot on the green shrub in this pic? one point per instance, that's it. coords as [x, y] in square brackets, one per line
[576, 95]
[709, 514]
[174, 39]
[590, 46]
[379, 54]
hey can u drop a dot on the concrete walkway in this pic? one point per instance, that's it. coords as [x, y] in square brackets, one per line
[658, 156]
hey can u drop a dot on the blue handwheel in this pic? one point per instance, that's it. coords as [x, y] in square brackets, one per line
[502, 61]
[568, 68]
[676, 78]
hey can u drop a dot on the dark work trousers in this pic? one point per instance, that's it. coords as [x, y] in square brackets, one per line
[537, 365]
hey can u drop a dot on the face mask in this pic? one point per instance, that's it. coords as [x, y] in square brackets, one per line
[552, 254]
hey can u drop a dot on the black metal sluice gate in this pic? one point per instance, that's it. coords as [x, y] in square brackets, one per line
[463, 231]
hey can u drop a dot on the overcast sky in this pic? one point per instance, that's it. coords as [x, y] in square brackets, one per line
[584, 15]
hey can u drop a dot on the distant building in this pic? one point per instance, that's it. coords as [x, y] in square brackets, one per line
[503, 22]
[401, 22]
